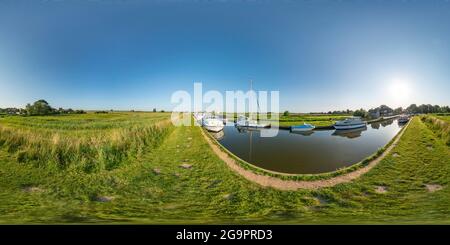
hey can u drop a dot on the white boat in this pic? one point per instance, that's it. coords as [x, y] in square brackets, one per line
[247, 122]
[213, 124]
[302, 128]
[350, 133]
[244, 121]
[350, 123]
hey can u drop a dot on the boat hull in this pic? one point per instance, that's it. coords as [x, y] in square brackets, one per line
[252, 125]
[343, 127]
[214, 128]
[302, 128]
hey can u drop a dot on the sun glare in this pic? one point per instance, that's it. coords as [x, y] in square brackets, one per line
[400, 90]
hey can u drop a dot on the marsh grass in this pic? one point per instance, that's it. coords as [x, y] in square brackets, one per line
[439, 125]
[89, 143]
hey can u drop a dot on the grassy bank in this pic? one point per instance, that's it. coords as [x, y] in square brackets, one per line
[316, 120]
[88, 142]
[440, 126]
[298, 119]
[180, 180]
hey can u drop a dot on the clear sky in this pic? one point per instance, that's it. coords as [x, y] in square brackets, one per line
[320, 55]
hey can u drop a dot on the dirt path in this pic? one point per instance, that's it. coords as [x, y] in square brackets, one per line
[280, 184]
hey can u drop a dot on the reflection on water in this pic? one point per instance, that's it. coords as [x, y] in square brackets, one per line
[386, 123]
[218, 135]
[377, 125]
[304, 133]
[349, 133]
[315, 151]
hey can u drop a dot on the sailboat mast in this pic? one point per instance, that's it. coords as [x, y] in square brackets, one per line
[257, 99]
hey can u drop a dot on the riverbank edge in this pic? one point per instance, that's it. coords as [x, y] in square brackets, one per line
[438, 126]
[285, 181]
[331, 126]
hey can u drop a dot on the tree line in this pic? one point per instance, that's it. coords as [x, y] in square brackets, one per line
[39, 108]
[385, 110]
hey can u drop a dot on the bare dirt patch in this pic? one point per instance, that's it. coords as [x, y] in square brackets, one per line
[433, 187]
[228, 196]
[32, 189]
[186, 166]
[381, 189]
[104, 198]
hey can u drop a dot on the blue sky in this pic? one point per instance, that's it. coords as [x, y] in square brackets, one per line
[320, 55]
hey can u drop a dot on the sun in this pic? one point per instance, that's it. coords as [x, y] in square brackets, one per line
[400, 90]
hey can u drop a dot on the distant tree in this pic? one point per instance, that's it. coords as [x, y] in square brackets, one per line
[154, 109]
[436, 109]
[286, 113]
[40, 107]
[412, 109]
[424, 108]
[445, 109]
[360, 113]
[162, 110]
[398, 110]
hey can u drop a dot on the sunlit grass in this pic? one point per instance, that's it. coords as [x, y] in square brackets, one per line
[88, 142]
[153, 188]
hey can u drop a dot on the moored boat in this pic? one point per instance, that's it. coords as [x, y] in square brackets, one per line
[403, 119]
[350, 133]
[246, 122]
[302, 128]
[213, 124]
[350, 123]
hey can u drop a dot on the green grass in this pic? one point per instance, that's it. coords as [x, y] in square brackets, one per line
[316, 120]
[197, 195]
[440, 126]
[88, 142]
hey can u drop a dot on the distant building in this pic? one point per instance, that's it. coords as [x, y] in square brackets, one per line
[381, 111]
[374, 113]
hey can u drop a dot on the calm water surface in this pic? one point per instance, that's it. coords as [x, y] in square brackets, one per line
[318, 151]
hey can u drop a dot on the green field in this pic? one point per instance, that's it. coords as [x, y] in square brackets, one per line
[126, 168]
[314, 119]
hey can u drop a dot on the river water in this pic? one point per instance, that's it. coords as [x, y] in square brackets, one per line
[318, 151]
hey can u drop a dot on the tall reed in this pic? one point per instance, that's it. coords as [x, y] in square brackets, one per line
[440, 127]
[93, 151]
